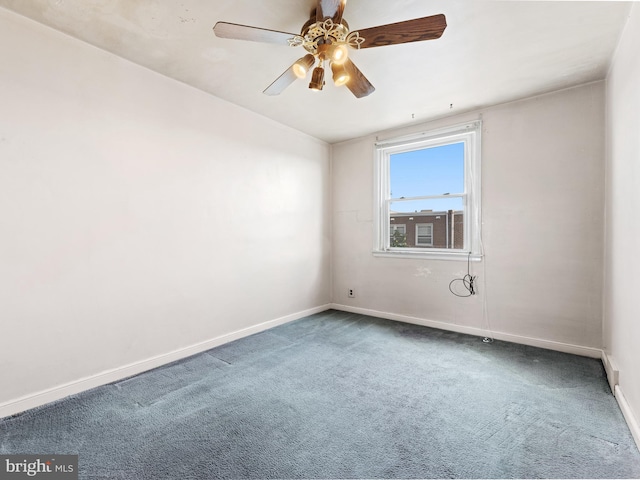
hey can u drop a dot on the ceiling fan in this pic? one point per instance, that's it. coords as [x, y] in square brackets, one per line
[326, 38]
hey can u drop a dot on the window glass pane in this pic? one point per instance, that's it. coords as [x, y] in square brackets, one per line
[425, 229]
[437, 223]
[398, 228]
[428, 171]
[397, 234]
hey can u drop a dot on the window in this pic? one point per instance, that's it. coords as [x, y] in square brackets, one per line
[428, 194]
[398, 235]
[424, 234]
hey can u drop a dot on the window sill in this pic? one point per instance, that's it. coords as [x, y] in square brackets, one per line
[430, 255]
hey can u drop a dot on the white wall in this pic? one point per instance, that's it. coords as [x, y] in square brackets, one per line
[543, 164]
[622, 254]
[139, 216]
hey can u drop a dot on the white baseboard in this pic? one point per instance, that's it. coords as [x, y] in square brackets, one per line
[479, 332]
[56, 393]
[611, 370]
[631, 419]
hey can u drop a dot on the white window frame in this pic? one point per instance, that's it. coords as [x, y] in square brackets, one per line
[467, 133]
[418, 225]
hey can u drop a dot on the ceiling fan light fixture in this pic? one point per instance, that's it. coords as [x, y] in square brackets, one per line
[302, 66]
[317, 79]
[339, 54]
[340, 75]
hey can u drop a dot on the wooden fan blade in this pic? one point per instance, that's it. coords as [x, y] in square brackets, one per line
[332, 9]
[254, 34]
[416, 30]
[281, 83]
[358, 83]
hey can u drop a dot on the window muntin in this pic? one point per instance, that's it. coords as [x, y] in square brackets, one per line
[430, 178]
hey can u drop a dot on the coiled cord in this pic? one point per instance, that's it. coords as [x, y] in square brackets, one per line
[467, 281]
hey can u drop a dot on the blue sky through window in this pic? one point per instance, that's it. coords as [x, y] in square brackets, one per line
[429, 171]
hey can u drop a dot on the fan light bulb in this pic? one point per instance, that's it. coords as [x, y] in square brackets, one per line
[340, 75]
[317, 79]
[340, 54]
[302, 66]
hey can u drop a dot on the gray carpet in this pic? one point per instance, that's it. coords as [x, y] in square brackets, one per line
[339, 395]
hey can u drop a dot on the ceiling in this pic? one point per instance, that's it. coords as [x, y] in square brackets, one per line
[491, 52]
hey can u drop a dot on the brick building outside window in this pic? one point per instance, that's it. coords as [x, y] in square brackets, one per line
[427, 229]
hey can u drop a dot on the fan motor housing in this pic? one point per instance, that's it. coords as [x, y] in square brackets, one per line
[320, 33]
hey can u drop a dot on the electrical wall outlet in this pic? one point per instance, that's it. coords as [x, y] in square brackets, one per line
[351, 293]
